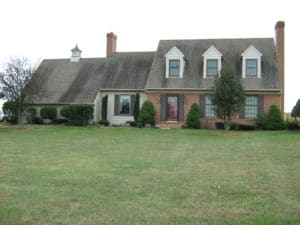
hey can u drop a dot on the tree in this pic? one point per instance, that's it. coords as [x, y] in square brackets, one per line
[228, 96]
[193, 117]
[17, 73]
[296, 110]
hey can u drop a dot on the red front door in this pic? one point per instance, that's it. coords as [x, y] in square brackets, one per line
[172, 112]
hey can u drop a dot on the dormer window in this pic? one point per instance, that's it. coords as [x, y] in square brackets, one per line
[251, 63]
[212, 62]
[212, 68]
[174, 63]
[174, 68]
[251, 67]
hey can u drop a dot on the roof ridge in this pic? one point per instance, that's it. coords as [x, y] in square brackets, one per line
[208, 39]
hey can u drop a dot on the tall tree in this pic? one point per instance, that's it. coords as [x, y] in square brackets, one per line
[17, 73]
[296, 110]
[228, 96]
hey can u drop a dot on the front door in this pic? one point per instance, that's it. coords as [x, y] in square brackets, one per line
[172, 110]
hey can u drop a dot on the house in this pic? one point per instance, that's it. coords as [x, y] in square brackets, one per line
[177, 74]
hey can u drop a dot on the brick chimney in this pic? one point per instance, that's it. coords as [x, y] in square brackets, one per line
[111, 46]
[279, 35]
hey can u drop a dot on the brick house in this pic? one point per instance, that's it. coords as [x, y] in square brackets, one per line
[173, 77]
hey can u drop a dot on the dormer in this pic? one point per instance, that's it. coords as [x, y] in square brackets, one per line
[251, 63]
[174, 63]
[212, 62]
[76, 54]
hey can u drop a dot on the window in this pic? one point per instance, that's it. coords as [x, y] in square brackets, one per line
[252, 63]
[209, 109]
[174, 67]
[124, 105]
[251, 67]
[212, 67]
[251, 107]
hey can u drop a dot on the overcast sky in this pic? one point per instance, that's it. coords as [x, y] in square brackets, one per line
[39, 29]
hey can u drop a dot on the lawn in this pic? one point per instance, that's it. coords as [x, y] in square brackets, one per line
[89, 175]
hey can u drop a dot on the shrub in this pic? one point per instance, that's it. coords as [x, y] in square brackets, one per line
[262, 121]
[232, 126]
[37, 120]
[132, 123]
[220, 125]
[104, 122]
[60, 121]
[146, 114]
[77, 114]
[10, 113]
[193, 117]
[136, 109]
[246, 127]
[31, 113]
[49, 112]
[104, 108]
[275, 120]
[292, 124]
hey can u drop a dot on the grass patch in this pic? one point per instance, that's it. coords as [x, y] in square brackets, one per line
[89, 175]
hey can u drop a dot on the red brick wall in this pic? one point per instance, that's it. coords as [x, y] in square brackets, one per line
[271, 100]
[190, 98]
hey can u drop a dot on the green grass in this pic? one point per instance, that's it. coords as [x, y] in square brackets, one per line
[89, 175]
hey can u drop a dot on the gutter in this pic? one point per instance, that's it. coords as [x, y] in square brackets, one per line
[206, 90]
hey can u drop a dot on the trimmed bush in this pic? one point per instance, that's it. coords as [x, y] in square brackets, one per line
[275, 120]
[262, 121]
[104, 108]
[104, 122]
[146, 114]
[292, 124]
[48, 112]
[77, 115]
[193, 116]
[30, 114]
[10, 113]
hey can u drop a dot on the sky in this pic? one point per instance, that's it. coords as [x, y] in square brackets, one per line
[40, 29]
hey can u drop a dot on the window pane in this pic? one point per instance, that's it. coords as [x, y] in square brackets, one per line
[124, 104]
[212, 67]
[209, 109]
[174, 66]
[251, 67]
[251, 107]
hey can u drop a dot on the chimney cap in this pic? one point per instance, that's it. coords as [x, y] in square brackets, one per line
[111, 34]
[76, 49]
[279, 24]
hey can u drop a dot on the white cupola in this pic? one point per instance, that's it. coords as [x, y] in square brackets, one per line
[76, 54]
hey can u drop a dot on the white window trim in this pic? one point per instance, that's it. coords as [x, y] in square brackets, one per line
[212, 53]
[177, 56]
[251, 53]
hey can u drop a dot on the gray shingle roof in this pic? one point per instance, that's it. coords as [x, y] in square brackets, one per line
[62, 81]
[193, 70]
